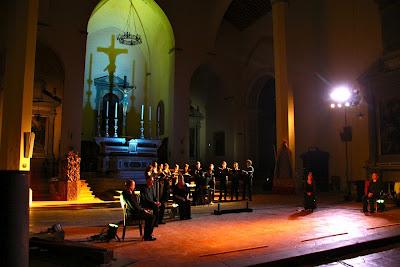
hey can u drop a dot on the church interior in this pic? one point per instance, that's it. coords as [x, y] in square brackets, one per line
[125, 82]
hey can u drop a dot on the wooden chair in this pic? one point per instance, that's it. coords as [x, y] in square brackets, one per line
[129, 220]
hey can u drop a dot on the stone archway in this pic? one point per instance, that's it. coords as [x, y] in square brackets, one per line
[142, 73]
[46, 120]
[203, 118]
[261, 137]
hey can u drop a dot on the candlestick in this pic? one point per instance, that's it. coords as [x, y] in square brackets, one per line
[141, 129]
[107, 110]
[149, 113]
[116, 111]
[142, 113]
[115, 127]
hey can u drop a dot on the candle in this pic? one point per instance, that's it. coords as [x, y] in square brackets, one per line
[107, 110]
[149, 113]
[116, 110]
[142, 113]
[98, 110]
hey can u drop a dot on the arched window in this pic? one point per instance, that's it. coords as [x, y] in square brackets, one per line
[160, 118]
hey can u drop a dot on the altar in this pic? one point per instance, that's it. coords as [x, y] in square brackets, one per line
[126, 158]
[119, 154]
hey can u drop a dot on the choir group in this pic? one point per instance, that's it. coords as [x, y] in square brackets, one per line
[185, 187]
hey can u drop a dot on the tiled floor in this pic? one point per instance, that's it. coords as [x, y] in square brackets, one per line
[276, 229]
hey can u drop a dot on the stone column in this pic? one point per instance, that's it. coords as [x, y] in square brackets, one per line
[284, 94]
[20, 38]
[179, 137]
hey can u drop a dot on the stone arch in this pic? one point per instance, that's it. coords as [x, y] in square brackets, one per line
[48, 95]
[203, 117]
[148, 67]
[261, 139]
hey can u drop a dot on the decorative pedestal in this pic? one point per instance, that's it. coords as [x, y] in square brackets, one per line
[72, 190]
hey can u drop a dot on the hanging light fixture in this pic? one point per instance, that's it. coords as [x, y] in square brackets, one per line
[126, 37]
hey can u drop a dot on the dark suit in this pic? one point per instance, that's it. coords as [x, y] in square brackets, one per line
[222, 174]
[248, 181]
[198, 176]
[375, 188]
[148, 200]
[134, 210]
[235, 177]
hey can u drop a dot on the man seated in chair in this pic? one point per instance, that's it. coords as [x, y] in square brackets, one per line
[372, 192]
[148, 200]
[134, 210]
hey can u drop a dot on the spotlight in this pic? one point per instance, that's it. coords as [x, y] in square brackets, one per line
[333, 105]
[341, 94]
[347, 104]
[339, 105]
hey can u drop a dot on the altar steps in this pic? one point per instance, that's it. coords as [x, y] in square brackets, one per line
[104, 187]
[85, 192]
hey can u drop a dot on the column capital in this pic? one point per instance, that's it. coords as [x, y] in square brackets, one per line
[278, 1]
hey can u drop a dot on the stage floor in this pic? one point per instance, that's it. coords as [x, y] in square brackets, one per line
[275, 230]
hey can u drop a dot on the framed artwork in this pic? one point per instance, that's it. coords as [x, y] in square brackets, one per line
[389, 128]
[39, 127]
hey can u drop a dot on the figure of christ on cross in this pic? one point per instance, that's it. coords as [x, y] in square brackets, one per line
[112, 54]
[125, 90]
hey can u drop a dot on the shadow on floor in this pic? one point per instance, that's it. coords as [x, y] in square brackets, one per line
[298, 214]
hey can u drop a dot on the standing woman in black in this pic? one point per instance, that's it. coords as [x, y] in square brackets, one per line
[309, 193]
[181, 193]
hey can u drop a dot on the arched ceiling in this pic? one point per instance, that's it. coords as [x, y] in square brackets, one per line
[243, 13]
[151, 23]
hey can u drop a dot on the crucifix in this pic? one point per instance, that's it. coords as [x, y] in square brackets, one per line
[125, 90]
[112, 54]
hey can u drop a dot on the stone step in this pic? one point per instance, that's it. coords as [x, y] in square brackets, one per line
[85, 192]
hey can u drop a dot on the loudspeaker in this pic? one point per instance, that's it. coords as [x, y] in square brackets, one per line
[346, 135]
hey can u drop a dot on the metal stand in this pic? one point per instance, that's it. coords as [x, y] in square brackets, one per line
[220, 212]
[348, 195]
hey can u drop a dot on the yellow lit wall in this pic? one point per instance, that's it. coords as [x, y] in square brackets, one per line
[152, 57]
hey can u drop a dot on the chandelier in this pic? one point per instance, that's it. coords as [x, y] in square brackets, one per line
[127, 37]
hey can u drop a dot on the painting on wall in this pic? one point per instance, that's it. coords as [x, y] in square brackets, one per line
[390, 126]
[39, 127]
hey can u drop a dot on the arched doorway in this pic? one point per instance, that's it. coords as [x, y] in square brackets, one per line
[267, 129]
[203, 116]
[262, 127]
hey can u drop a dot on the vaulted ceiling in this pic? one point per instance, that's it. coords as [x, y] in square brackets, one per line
[243, 13]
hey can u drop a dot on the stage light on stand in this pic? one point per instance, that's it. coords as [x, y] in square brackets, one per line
[333, 105]
[344, 96]
[341, 94]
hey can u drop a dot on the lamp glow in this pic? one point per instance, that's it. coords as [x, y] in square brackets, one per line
[333, 105]
[341, 94]
[339, 105]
